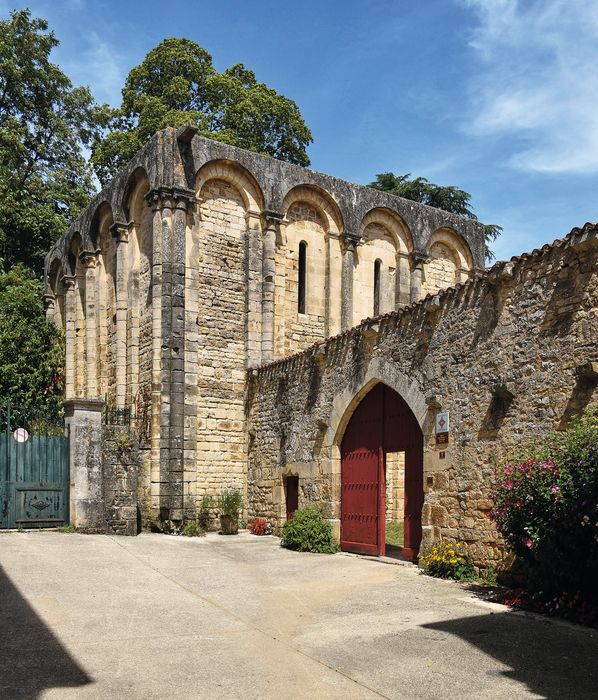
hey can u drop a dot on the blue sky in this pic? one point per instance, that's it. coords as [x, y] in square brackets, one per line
[499, 97]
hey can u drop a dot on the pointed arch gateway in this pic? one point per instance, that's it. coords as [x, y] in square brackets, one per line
[381, 425]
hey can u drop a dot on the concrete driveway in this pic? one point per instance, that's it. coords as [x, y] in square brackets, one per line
[239, 617]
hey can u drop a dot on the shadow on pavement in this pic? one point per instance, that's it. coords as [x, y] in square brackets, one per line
[31, 658]
[554, 661]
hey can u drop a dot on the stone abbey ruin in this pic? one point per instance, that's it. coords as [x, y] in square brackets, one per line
[296, 336]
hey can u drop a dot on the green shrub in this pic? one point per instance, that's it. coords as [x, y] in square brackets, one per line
[206, 507]
[230, 502]
[546, 508]
[193, 529]
[308, 532]
[446, 560]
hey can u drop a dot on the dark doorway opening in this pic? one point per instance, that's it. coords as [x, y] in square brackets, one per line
[291, 495]
[381, 427]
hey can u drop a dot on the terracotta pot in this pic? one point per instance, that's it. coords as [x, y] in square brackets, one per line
[229, 524]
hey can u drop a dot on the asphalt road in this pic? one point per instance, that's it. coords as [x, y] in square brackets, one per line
[239, 617]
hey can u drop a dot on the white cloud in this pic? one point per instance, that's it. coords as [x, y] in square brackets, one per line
[100, 68]
[538, 81]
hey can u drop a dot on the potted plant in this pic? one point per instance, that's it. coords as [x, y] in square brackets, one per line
[230, 503]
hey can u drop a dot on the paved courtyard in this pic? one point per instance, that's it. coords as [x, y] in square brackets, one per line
[171, 617]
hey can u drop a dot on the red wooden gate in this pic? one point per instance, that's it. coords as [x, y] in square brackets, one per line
[382, 423]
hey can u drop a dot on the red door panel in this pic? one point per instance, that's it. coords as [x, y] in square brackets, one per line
[360, 477]
[383, 422]
[292, 495]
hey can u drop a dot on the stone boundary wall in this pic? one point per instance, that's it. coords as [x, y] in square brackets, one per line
[121, 477]
[512, 354]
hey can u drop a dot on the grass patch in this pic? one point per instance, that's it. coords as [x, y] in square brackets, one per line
[66, 528]
[395, 535]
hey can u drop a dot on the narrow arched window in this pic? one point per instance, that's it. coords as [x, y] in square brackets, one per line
[377, 266]
[302, 277]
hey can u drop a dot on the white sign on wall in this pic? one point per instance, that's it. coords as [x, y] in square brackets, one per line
[442, 422]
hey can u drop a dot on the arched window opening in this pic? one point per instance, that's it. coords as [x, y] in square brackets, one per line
[302, 277]
[377, 266]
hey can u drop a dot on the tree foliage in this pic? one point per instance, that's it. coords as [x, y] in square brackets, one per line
[31, 349]
[44, 123]
[449, 198]
[177, 84]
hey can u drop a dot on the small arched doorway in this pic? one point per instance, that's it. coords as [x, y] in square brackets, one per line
[381, 425]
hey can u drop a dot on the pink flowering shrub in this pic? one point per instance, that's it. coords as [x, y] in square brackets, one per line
[546, 508]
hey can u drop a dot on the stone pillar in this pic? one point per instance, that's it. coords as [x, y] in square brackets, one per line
[253, 252]
[158, 474]
[49, 306]
[170, 206]
[91, 334]
[417, 274]
[182, 461]
[403, 280]
[69, 332]
[83, 419]
[349, 243]
[121, 233]
[268, 283]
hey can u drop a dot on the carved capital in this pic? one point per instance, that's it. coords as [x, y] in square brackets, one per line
[350, 241]
[418, 258]
[272, 218]
[69, 282]
[164, 197]
[49, 300]
[120, 231]
[89, 259]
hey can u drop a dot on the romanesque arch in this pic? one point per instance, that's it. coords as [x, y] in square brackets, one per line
[307, 305]
[381, 434]
[56, 289]
[76, 384]
[449, 261]
[237, 178]
[344, 404]
[382, 277]
[105, 244]
[139, 291]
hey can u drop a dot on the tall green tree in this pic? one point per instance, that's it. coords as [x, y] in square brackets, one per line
[44, 124]
[31, 350]
[449, 198]
[176, 84]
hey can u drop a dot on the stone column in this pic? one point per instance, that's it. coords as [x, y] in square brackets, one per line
[349, 244]
[182, 456]
[91, 334]
[273, 220]
[417, 274]
[157, 472]
[253, 252]
[49, 306]
[121, 233]
[83, 419]
[170, 205]
[403, 280]
[69, 332]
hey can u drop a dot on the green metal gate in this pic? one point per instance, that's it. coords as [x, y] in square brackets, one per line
[34, 469]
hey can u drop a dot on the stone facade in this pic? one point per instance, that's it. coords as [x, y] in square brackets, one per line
[183, 273]
[511, 353]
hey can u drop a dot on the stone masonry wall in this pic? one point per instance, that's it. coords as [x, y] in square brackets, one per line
[219, 249]
[511, 354]
[120, 472]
